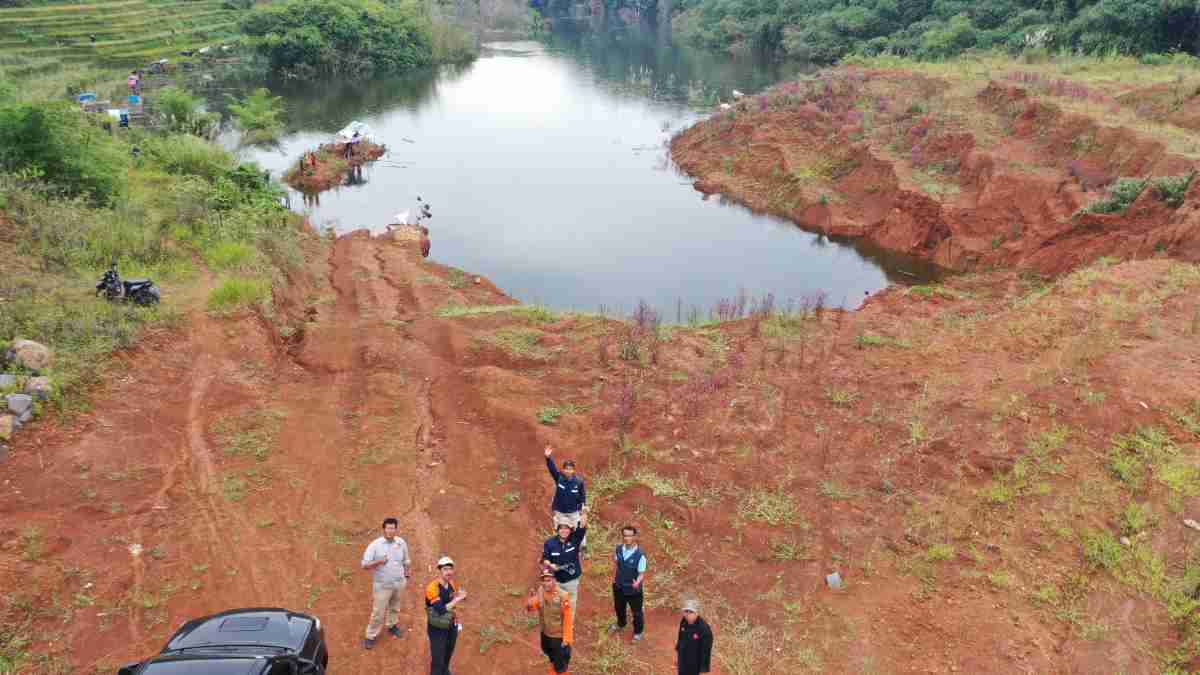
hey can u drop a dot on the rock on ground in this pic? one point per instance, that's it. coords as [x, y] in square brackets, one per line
[39, 388]
[30, 354]
[19, 404]
[8, 425]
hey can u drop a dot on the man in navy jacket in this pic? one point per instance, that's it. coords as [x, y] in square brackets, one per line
[561, 554]
[570, 495]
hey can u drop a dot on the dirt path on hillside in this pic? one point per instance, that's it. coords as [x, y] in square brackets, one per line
[158, 505]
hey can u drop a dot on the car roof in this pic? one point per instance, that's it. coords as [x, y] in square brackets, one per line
[257, 626]
[204, 666]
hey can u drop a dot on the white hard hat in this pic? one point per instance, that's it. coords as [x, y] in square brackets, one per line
[444, 561]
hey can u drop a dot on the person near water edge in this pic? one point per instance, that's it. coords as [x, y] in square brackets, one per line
[561, 554]
[441, 597]
[556, 618]
[570, 494]
[388, 561]
[628, 589]
[693, 649]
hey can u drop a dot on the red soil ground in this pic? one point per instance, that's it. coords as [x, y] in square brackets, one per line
[886, 156]
[761, 455]
[1000, 468]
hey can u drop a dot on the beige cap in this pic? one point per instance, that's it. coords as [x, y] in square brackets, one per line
[692, 605]
[445, 561]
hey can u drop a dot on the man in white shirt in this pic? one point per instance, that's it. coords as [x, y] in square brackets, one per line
[387, 559]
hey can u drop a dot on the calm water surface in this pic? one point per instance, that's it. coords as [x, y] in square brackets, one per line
[547, 169]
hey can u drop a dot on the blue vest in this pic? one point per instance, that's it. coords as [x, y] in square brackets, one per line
[627, 571]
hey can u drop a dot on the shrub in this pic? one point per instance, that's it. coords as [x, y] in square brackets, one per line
[180, 110]
[1121, 195]
[56, 142]
[1102, 550]
[341, 36]
[258, 115]
[1172, 189]
[238, 292]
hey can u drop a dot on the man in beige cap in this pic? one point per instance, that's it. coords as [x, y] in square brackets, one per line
[553, 606]
[693, 649]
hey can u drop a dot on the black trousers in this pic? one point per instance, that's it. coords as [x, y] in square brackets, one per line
[560, 656]
[621, 601]
[441, 648]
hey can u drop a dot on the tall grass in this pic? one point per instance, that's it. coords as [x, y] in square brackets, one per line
[238, 293]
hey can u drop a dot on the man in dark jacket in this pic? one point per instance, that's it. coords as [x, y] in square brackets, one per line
[561, 554]
[570, 496]
[693, 649]
[628, 575]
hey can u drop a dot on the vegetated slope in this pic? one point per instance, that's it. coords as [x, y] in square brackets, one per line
[824, 32]
[127, 31]
[967, 457]
[974, 165]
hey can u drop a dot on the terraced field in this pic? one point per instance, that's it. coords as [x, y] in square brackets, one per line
[126, 31]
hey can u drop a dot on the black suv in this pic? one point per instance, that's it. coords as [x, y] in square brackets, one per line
[259, 641]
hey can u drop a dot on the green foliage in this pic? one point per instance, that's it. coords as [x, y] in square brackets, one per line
[341, 36]
[238, 292]
[259, 115]
[1171, 189]
[452, 43]
[56, 143]
[180, 110]
[824, 32]
[1102, 550]
[1121, 195]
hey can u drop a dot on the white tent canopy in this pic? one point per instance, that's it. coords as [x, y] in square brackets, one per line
[364, 131]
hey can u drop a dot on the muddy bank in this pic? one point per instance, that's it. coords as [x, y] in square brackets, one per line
[329, 165]
[971, 175]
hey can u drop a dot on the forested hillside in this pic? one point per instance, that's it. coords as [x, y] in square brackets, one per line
[826, 30]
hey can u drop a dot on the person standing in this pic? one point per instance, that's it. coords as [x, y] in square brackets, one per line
[387, 559]
[570, 494]
[628, 576]
[561, 554]
[553, 606]
[441, 597]
[693, 649]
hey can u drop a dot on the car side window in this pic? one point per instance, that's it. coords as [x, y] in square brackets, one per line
[283, 668]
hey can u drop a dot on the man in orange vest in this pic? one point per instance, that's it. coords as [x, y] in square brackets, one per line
[553, 606]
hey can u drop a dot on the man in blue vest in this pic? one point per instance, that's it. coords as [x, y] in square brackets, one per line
[627, 582]
[570, 496]
[561, 554]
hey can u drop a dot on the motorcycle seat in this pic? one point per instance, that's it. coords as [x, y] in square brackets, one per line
[137, 282]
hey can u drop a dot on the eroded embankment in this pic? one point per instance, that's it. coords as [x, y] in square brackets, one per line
[969, 174]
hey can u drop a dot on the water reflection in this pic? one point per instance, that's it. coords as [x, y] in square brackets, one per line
[550, 169]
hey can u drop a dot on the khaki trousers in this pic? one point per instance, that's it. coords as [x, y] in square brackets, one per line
[572, 589]
[385, 606]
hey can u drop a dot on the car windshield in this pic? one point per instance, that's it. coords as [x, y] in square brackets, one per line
[217, 666]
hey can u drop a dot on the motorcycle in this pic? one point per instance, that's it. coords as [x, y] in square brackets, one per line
[138, 291]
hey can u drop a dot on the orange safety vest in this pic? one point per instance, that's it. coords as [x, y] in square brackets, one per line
[551, 612]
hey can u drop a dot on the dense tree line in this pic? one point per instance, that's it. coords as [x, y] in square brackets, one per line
[826, 30]
[342, 36]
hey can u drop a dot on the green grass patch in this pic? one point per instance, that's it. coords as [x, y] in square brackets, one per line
[250, 434]
[549, 415]
[775, 507]
[1121, 195]
[231, 255]
[535, 313]
[522, 342]
[238, 293]
[864, 340]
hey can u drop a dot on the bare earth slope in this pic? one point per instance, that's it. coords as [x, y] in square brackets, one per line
[974, 171]
[967, 457]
